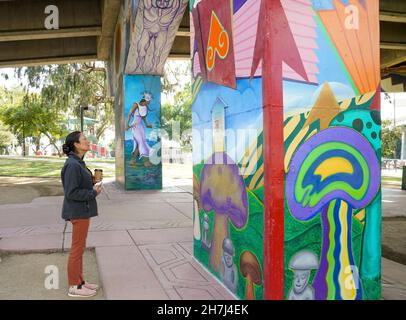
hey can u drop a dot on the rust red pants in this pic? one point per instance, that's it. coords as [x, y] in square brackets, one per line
[80, 228]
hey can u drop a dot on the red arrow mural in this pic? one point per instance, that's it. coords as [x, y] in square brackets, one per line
[274, 45]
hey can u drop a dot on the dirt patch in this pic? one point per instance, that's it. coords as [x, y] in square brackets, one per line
[394, 239]
[24, 277]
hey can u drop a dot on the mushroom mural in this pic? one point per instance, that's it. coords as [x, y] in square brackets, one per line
[332, 173]
[196, 206]
[251, 271]
[222, 190]
[301, 264]
[228, 270]
[205, 244]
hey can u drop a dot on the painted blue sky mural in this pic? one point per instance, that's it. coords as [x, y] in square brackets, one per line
[135, 85]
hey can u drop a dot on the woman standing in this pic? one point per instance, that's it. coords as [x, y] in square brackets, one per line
[79, 205]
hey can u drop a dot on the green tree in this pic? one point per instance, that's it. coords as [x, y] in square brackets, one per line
[390, 137]
[176, 85]
[68, 87]
[16, 115]
[5, 137]
[28, 115]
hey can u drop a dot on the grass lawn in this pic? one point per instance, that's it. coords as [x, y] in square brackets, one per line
[46, 168]
[55, 158]
[392, 180]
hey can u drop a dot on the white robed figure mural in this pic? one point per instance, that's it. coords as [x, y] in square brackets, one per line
[139, 112]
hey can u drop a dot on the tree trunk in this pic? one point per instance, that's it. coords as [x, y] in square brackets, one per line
[220, 232]
[24, 146]
[101, 131]
[37, 144]
[53, 142]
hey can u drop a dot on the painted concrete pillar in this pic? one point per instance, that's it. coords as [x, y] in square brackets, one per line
[403, 156]
[293, 211]
[143, 38]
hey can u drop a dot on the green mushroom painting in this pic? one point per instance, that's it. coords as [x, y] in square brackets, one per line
[332, 173]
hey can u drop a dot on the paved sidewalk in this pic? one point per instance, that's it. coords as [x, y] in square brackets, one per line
[143, 243]
[393, 203]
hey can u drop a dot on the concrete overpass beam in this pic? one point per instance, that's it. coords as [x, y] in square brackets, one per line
[33, 52]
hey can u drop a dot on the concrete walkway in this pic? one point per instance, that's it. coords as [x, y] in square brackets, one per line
[143, 242]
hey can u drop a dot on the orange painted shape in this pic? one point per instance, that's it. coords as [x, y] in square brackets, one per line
[359, 48]
[334, 27]
[219, 42]
[355, 46]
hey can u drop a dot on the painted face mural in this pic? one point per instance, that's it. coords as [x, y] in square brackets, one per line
[162, 4]
[302, 264]
[301, 202]
[301, 281]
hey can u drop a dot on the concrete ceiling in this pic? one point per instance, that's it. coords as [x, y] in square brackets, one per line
[87, 29]
[393, 36]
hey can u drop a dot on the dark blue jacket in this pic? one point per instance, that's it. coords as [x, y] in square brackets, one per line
[80, 197]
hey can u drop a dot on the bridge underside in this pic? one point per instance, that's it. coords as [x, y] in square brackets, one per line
[86, 32]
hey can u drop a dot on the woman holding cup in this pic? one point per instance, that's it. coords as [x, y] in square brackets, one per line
[79, 205]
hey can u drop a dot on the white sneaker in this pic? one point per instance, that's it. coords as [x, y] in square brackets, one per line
[90, 286]
[82, 292]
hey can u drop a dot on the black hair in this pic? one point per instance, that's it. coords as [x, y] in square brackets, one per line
[69, 145]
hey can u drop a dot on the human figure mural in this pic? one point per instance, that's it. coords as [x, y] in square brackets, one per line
[302, 263]
[138, 113]
[301, 203]
[155, 27]
[142, 142]
[228, 270]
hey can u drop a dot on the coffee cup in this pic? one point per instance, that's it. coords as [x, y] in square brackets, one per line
[98, 175]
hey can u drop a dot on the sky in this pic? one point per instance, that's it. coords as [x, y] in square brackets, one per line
[13, 81]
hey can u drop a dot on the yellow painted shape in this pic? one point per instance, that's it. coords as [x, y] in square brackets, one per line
[295, 143]
[253, 184]
[291, 126]
[348, 292]
[253, 163]
[360, 216]
[333, 166]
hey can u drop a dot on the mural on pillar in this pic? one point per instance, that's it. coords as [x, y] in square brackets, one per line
[326, 76]
[153, 33]
[119, 133]
[332, 153]
[227, 146]
[142, 121]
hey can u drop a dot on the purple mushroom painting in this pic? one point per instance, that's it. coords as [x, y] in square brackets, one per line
[222, 190]
[331, 174]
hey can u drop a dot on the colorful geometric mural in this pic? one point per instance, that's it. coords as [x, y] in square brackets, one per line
[142, 116]
[215, 42]
[295, 212]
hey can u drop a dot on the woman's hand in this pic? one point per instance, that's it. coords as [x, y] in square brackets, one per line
[98, 187]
